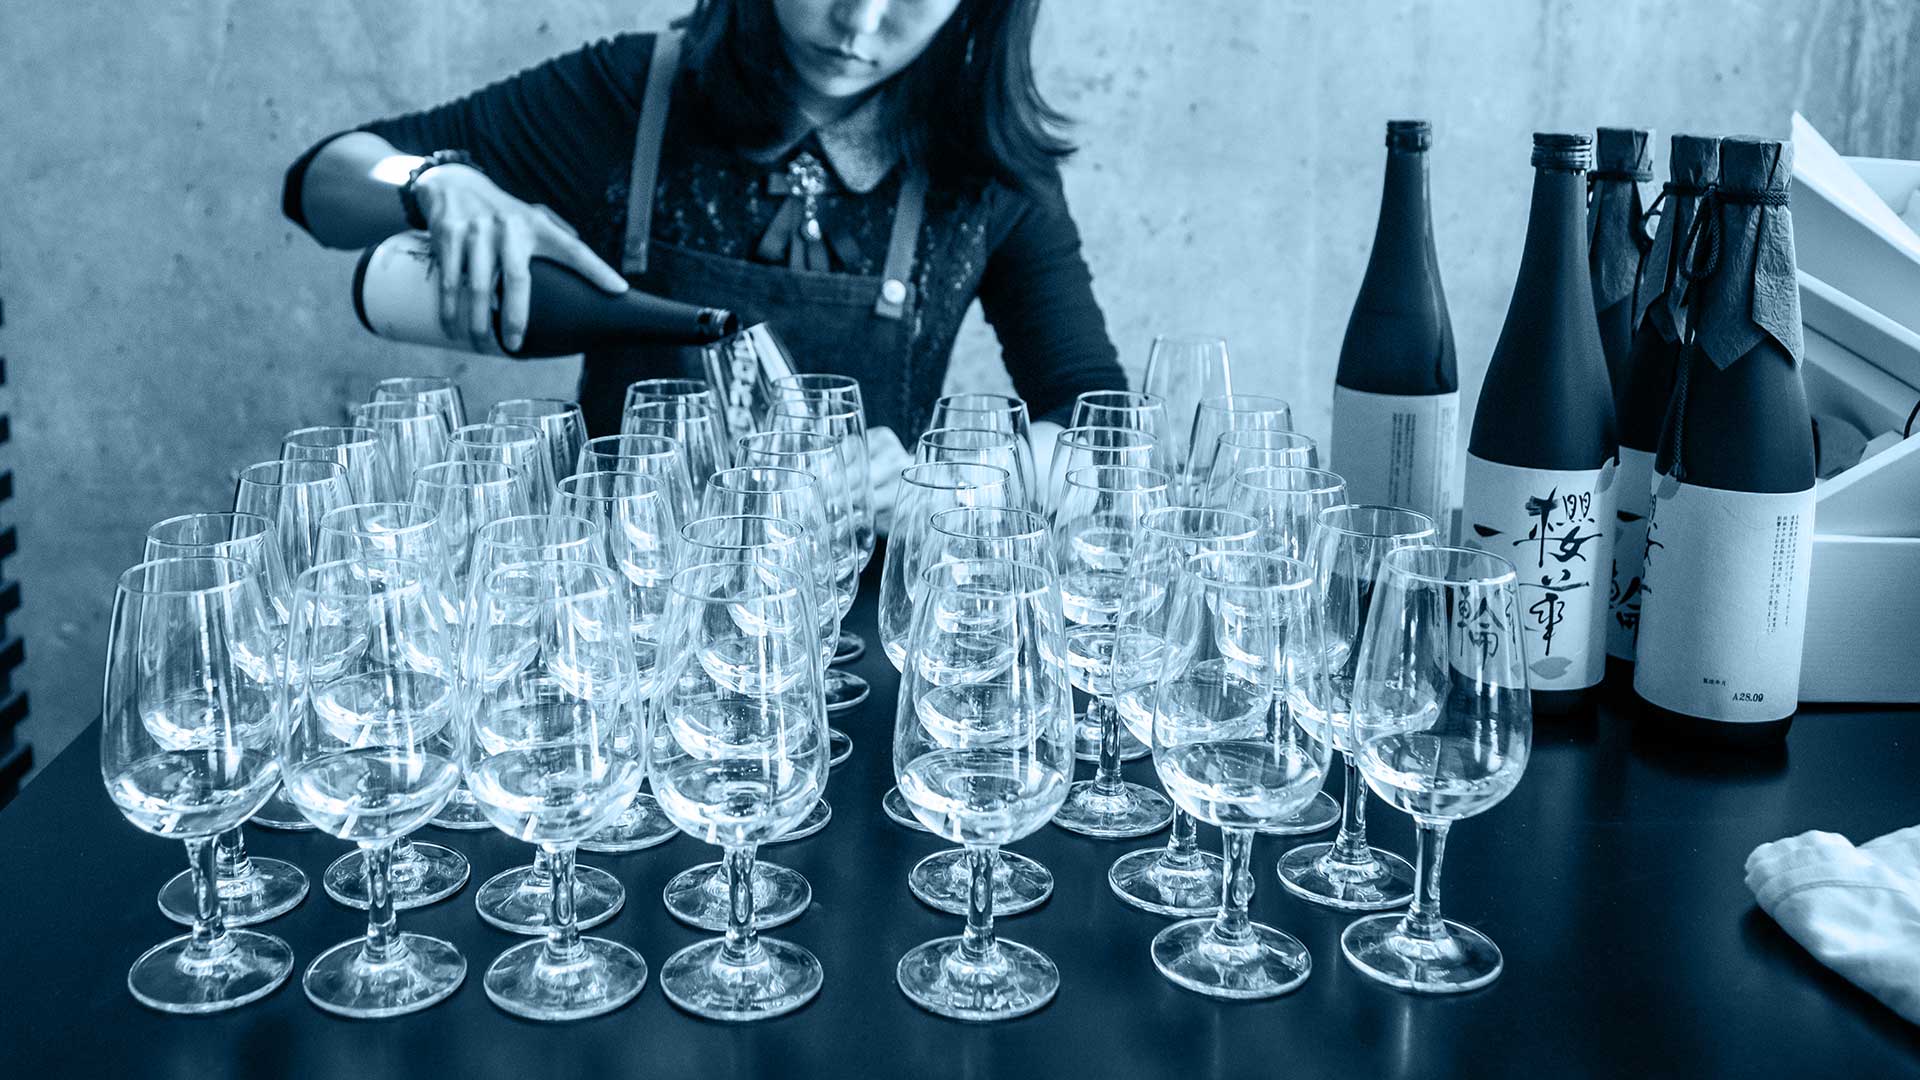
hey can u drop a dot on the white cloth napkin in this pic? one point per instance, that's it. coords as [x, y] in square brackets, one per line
[1856, 909]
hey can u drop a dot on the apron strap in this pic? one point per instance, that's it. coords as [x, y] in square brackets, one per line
[896, 288]
[647, 137]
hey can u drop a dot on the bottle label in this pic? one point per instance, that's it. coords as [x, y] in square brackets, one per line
[1556, 526]
[1397, 449]
[1633, 501]
[400, 293]
[1726, 602]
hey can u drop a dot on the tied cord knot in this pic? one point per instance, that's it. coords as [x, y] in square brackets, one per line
[1703, 239]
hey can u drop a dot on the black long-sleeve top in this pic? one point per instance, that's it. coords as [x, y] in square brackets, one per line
[561, 134]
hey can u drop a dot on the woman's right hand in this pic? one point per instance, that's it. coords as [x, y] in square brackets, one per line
[482, 234]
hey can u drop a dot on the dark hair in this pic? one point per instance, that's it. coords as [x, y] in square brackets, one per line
[967, 109]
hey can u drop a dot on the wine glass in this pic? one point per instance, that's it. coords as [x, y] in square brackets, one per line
[252, 890]
[1444, 727]
[465, 496]
[979, 446]
[1218, 415]
[420, 873]
[556, 749]
[186, 751]
[1176, 878]
[370, 745]
[1098, 529]
[435, 392]
[1243, 633]
[1132, 410]
[656, 456]
[1093, 447]
[698, 429]
[562, 428]
[994, 412]
[512, 444]
[356, 449]
[739, 756]
[634, 521]
[1237, 451]
[411, 434]
[923, 491]
[294, 495]
[1348, 543]
[695, 390]
[1184, 370]
[983, 752]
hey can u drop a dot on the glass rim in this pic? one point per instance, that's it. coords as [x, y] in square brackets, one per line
[606, 582]
[179, 520]
[503, 473]
[981, 401]
[1257, 403]
[565, 486]
[361, 436]
[912, 474]
[133, 580]
[788, 582]
[328, 469]
[1162, 513]
[1076, 436]
[824, 444]
[795, 479]
[1195, 338]
[554, 406]
[934, 437]
[1030, 579]
[1329, 481]
[1035, 523]
[415, 384]
[412, 574]
[1328, 515]
[416, 409]
[1500, 571]
[823, 382]
[672, 447]
[1296, 574]
[592, 534]
[404, 507]
[1160, 478]
[798, 537]
[682, 386]
[465, 434]
[1294, 439]
[694, 407]
[811, 408]
[1134, 399]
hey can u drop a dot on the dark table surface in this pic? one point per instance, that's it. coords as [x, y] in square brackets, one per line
[1612, 879]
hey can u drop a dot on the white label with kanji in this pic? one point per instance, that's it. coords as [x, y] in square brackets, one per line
[1724, 608]
[1633, 501]
[1556, 526]
[1396, 449]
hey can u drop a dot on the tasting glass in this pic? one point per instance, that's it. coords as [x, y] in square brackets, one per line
[656, 456]
[464, 497]
[1132, 410]
[1444, 727]
[421, 873]
[1098, 529]
[739, 757]
[557, 746]
[694, 390]
[634, 523]
[844, 422]
[187, 751]
[370, 748]
[1222, 413]
[1184, 370]
[980, 446]
[1094, 447]
[983, 752]
[1176, 878]
[1243, 632]
[294, 495]
[789, 494]
[356, 449]
[252, 890]
[841, 394]
[512, 444]
[994, 412]
[1237, 451]
[1287, 500]
[563, 430]
[923, 491]
[696, 426]
[435, 392]
[411, 434]
[1348, 543]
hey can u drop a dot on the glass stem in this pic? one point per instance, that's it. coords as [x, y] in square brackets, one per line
[976, 944]
[1107, 780]
[403, 853]
[743, 941]
[1423, 921]
[231, 862]
[1350, 845]
[1183, 841]
[383, 940]
[1232, 926]
[563, 932]
[209, 926]
[542, 876]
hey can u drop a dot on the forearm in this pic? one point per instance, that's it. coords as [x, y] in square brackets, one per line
[348, 195]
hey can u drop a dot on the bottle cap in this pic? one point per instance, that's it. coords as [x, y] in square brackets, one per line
[1409, 135]
[1693, 162]
[1623, 153]
[1560, 152]
[1751, 165]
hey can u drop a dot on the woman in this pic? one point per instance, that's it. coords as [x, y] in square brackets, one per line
[853, 172]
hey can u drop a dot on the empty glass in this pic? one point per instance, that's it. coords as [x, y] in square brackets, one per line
[435, 392]
[1185, 370]
[695, 390]
[656, 456]
[994, 412]
[1094, 447]
[411, 434]
[739, 757]
[294, 495]
[923, 491]
[1230, 749]
[983, 752]
[563, 430]
[464, 497]
[698, 429]
[556, 749]
[846, 425]
[513, 444]
[979, 446]
[1229, 412]
[356, 449]
[1348, 544]
[1237, 451]
[187, 751]
[1176, 878]
[370, 745]
[1132, 410]
[1443, 726]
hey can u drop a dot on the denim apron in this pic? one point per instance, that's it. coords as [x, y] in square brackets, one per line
[845, 324]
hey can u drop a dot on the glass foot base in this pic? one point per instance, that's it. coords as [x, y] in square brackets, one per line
[1129, 810]
[461, 814]
[777, 978]
[272, 888]
[418, 972]
[430, 873]
[1465, 959]
[1013, 980]
[514, 901]
[844, 689]
[815, 820]
[851, 647]
[941, 881]
[642, 825]
[247, 967]
[1309, 872]
[1267, 964]
[605, 975]
[1148, 881]
[698, 897]
[1321, 814]
[839, 746]
[895, 806]
[1086, 742]
[280, 813]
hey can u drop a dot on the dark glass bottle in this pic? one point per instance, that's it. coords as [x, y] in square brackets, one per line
[1730, 540]
[1396, 396]
[1644, 386]
[396, 294]
[1616, 234]
[1540, 461]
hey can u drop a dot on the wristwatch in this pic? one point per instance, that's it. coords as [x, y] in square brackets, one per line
[410, 199]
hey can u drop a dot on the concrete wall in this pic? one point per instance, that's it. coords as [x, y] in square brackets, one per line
[164, 325]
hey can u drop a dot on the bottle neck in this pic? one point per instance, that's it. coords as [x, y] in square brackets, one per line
[1405, 222]
[1555, 251]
